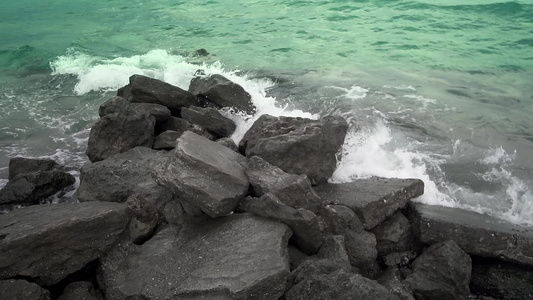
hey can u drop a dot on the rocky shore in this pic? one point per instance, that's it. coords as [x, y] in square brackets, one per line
[171, 208]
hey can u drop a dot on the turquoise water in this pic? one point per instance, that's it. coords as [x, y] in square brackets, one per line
[438, 90]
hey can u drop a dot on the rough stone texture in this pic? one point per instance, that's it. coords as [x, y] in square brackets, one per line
[442, 272]
[31, 188]
[337, 284]
[476, 234]
[235, 257]
[394, 235]
[80, 290]
[373, 199]
[333, 249]
[21, 165]
[361, 249]
[49, 242]
[209, 119]
[142, 89]
[293, 190]
[501, 280]
[227, 142]
[296, 257]
[222, 92]
[392, 280]
[118, 132]
[144, 220]
[304, 224]
[180, 125]
[22, 290]
[399, 259]
[337, 219]
[166, 140]
[124, 174]
[297, 145]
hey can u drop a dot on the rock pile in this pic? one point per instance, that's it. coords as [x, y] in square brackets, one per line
[168, 211]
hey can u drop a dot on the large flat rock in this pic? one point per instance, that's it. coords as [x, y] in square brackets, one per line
[373, 199]
[237, 257]
[49, 242]
[475, 233]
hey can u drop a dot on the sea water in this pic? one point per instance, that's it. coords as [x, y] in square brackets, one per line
[433, 89]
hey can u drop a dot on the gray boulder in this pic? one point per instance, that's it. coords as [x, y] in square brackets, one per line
[394, 235]
[293, 190]
[80, 290]
[333, 248]
[209, 119]
[391, 278]
[373, 199]
[297, 145]
[206, 175]
[125, 174]
[475, 233]
[304, 224]
[49, 242]
[222, 92]
[22, 290]
[181, 125]
[142, 89]
[22, 165]
[31, 188]
[236, 257]
[166, 140]
[118, 132]
[442, 272]
[227, 142]
[337, 219]
[144, 220]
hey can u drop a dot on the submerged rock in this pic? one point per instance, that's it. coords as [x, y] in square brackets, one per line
[235, 257]
[49, 242]
[297, 145]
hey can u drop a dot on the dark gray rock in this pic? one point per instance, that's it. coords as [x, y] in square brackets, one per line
[399, 259]
[442, 272]
[373, 199]
[180, 125]
[333, 249]
[361, 249]
[338, 284]
[22, 165]
[142, 89]
[206, 175]
[392, 280]
[394, 235]
[31, 188]
[476, 234]
[118, 132]
[337, 219]
[209, 119]
[222, 92]
[297, 145]
[119, 105]
[227, 142]
[144, 220]
[293, 190]
[114, 105]
[304, 224]
[80, 290]
[159, 112]
[296, 257]
[167, 140]
[235, 257]
[501, 280]
[22, 290]
[49, 242]
[124, 174]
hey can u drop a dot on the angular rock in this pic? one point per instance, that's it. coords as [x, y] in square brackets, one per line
[49, 242]
[338, 285]
[476, 234]
[159, 112]
[167, 140]
[442, 272]
[142, 89]
[227, 142]
[124, 174]
[392, 280]
[118, 105]
[296, 257]
[31, 188]
[206, 175]
[501, 280]
[399, 259]
[80, 290]
[304, 224]
[22, 165]
[293, 190]
[337, 219]
[373, 199]
[180, 125]
[333, 249]
[222, 92]
[235, 257]
[297, 145]
[361, 249]
[394, 235]
[144, 218]
[209, 119]
[22, 290]
[118, 132]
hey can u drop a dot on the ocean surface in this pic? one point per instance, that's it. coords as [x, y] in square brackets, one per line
[433, 89]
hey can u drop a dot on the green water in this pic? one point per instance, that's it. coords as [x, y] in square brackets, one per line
[443, 86]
